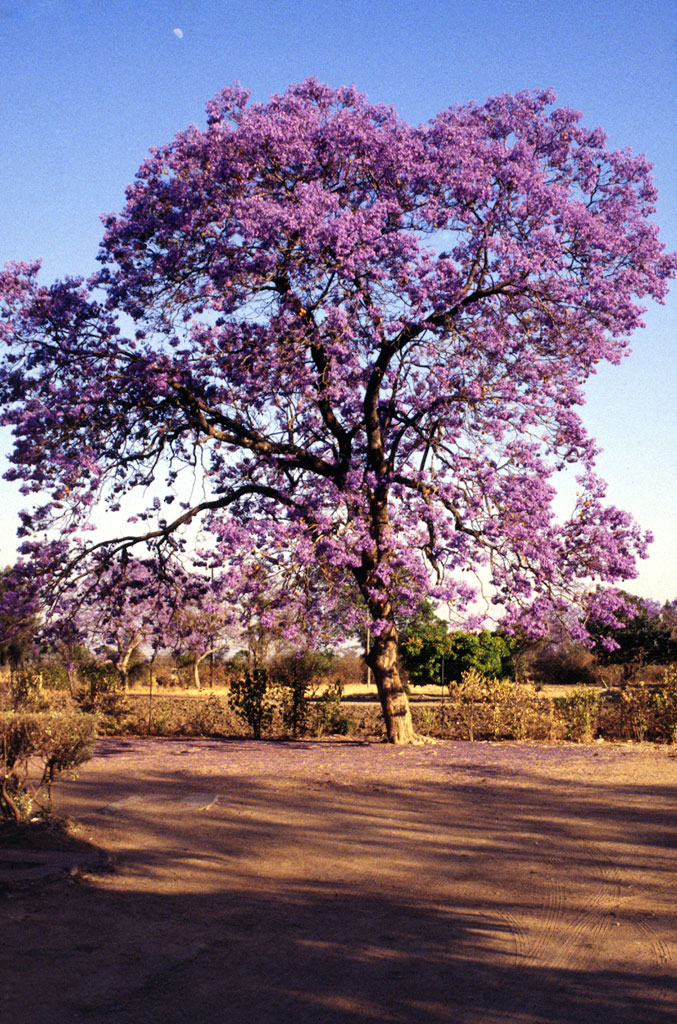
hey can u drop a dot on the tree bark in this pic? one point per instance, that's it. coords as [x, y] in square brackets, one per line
[382, 659]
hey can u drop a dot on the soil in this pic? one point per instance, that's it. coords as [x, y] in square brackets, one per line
[233, 882]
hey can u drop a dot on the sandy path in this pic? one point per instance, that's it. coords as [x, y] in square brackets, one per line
[340, 882]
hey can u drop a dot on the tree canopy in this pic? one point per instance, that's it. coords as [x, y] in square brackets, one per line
[643, 635]
[433, 655]
[328, 332]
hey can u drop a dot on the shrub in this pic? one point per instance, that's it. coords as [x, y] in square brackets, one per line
[254, 701]
[635, 712]
[26, 691]
[431, 655]
[664, 700]
[565, 666]
[329, 717]
[295, 707]
[59, 742]
[102, 694]
[295, 674]
[208, 718]
[467, 698]
[579, 714]
[518, 713]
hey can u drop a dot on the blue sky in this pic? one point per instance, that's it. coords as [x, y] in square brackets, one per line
[87, 86]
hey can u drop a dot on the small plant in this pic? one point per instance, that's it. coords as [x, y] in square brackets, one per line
[500, 694]
[26, 691]
[328, 715]
[59, 743]
[253, 700]
[295, 706]
[426, 721]
[518, 714]
[579, 714]
[636, 710]
[102, 694]
[467, 697]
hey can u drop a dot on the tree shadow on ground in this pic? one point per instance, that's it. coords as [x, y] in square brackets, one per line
[487, 893]
[317, 956]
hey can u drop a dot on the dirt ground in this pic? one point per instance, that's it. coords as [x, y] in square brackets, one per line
[325, 882]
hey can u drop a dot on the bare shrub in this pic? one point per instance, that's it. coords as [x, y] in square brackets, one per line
[466, 700]
[59, 743]
[664, 701]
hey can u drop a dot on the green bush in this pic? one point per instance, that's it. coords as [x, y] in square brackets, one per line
[58, 742]
[26, 691]
[295, 707]
[254, 700]
[432, 655]
[578, 714]
[328, 715]
[295, 674]
[102, 694]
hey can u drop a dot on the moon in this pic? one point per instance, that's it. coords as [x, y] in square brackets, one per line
[178, 32]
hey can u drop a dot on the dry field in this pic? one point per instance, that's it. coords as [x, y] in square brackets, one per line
[323, 882]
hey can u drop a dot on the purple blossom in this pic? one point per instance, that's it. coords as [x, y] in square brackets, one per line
[364, 340]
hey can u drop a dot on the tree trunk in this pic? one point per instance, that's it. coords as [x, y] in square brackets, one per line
[196, 673]
[382, 659]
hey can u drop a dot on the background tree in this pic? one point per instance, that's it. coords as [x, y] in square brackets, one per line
[433, 655]
[203, 624]
[423, 645]
[117, 606]
[641, 637]
[368, 340]
[19, 615]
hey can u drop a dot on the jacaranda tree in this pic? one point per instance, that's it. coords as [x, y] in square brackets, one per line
[367, 339]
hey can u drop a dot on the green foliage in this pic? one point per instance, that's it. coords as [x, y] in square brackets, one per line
[295, 674]
[295, 707]
[432, 655]
[423, 644]
[253, 699]
[17, 629]
[579, 714]
[102, 694]
[329, 717]
[26, 690]
[59, 743]
[54, 673]
[490, 654]
[645, 639]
